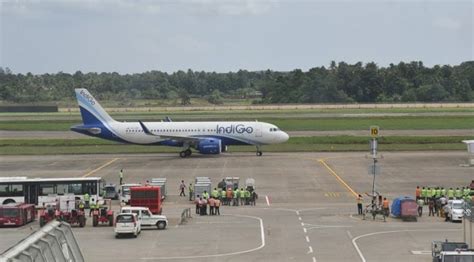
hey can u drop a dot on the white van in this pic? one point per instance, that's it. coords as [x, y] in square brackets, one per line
[146, 218]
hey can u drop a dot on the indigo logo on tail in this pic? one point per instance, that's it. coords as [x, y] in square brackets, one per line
[88, 97]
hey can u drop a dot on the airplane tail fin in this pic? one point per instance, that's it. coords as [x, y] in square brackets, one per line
[91, 111]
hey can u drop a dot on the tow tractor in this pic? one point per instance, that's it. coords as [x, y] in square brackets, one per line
[49, 213]
[104, 214]
[74, 216]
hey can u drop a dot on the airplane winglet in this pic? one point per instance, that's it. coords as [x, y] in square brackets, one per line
[145, 129]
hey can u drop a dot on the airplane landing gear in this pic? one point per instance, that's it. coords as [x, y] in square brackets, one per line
[185, 153]
[259, 152]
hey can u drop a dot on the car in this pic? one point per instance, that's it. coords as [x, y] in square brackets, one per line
[124, 192]
[127, 223]
[146, 218]
[455, 210]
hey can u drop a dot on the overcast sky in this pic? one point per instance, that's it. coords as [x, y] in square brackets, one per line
[130, 36]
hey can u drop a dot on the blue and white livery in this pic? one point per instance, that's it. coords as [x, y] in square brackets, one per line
[204, 137]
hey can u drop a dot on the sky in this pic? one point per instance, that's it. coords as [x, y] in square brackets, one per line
[133, 36]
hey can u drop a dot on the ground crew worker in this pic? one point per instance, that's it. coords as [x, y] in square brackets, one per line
[217, 205]
[417, 193]
[458, 193]
[81, 206]
[197, 202]
[450, 193]
[203, 206]
[191, 191]
[420, 203]
[431, 207]
[423, 193]
[433, 192]
[211, 203]
[215, 193]
[359, 203]
[182, 187]
[242, 196]
[443, 192]
[438, 192]
[92, 207]
[253, 198]
[385, 206]
[223, 197]
[86, 200]
[121, 176]
[205, 195]
[466, 192]
[247, 197]
[236, 197]
[229, 196]
[428, 193]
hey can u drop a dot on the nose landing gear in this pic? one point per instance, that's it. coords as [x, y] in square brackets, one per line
[259, 152]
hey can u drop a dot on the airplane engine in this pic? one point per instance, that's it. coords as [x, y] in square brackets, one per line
[209, 146]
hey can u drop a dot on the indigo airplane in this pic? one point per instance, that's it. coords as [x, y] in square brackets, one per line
[204, 137]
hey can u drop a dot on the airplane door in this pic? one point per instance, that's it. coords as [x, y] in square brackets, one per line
[258, 130]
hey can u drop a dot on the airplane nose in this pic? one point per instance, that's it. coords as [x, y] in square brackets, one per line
[284, 137]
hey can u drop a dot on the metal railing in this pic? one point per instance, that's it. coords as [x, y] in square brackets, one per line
[185, 215]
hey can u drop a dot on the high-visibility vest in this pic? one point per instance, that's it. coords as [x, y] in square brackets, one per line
[191, 188]
[205, 195]
[242, 193]
[428, 192]
[451, 193]
[236, 193]
[81, 205]
[443, 192]
[223, 194]
[466, 191]
[92, 206]
[423, 192]
[215, 194]
[458, 193]
[86, 197]
[438, 192]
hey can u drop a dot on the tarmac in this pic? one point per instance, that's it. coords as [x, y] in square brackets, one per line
[306, 209]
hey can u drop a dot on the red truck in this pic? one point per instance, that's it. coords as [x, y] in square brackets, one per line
[17, 214]
[146, 196]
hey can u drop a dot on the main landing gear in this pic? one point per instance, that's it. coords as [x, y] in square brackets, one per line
[185, 153]
[259, 152]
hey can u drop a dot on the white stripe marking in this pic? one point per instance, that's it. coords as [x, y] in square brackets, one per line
[307, 239]
[299, 218]
[314, 259]
[302, 224]
[421, 252]
[362, 258]
[310, 250]
[304, 229]
[262, 245]
[268, 200]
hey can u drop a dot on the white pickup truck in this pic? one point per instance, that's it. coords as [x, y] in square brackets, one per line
[147, 219]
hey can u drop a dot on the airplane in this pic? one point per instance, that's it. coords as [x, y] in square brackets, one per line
[204, 137]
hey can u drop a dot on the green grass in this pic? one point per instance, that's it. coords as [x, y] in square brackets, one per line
[293, 124]
[296, 144]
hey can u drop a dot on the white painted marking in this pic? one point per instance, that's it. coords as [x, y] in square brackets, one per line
[262, 245]
[268, 200]
[362, 258]
[302, 224]
[310, 250]
[304, 229]
[297, 212]
[421, 252]
[323, 226]
[314, 259]
[299, 218]
[349, 234]
[307, 239]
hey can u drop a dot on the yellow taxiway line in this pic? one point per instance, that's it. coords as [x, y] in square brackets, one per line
[99, 168]
[332, 172]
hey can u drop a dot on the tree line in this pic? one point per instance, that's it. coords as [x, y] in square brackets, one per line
[339, 83]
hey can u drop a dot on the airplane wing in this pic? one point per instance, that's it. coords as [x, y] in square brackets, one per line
[185, 139]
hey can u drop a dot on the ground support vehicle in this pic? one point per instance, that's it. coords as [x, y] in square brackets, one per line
[49, 213]
[147, 219]
[444, 251]
[405, 208]
[103, 215]
[374, 210]
[124, 192]
[127, 224]
[17, 214]
[74, 217]
[147, 196]
[160, 182]
[110, 192]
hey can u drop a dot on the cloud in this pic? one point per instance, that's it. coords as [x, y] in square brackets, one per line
[447, 23]
[230, 7]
